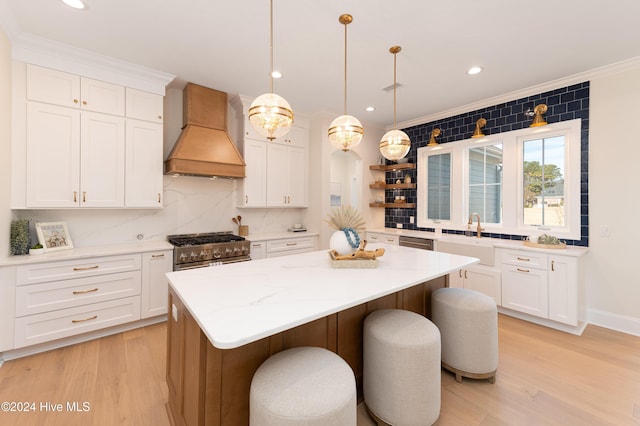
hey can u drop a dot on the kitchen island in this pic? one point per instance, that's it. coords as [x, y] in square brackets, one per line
[225, 321]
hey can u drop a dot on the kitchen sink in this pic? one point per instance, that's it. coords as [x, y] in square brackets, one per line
[481, 248]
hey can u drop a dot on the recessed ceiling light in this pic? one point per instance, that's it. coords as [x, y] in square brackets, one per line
[370, 108]
[276, 74]
[474, 70]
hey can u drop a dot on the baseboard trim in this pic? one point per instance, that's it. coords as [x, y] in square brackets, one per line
[43, 347]
[617, 322]
[577, 330]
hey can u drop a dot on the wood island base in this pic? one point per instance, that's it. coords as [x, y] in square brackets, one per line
[210, 386]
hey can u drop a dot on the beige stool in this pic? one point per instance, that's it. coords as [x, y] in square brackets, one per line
[468, 323]
[401, 378]
[303, 386]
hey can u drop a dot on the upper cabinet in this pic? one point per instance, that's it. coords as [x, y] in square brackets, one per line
[276, 173]
[85, 143]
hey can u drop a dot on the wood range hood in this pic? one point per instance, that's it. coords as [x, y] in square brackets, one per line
[204, 147]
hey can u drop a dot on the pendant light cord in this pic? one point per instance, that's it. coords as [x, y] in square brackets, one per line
[395, 87]
[345, 68]
[271, 46]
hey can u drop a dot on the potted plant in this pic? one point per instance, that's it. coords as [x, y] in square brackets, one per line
[347, 221]
[36, 249]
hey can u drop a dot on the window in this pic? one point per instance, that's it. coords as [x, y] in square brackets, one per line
[485, 183]
[522, 182]
[439, 187]
[543, 182]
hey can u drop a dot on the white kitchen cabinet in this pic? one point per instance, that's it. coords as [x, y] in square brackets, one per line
[144, 105]
[154, 282]
[376, 237]
[258, 250]
[62, 299]
[286, 170]
[288, 246]
[53, 156]
[7, 307]
[484, 279]
[540, 284]
[80, 150]
[254, 185]
[74, 159]
[69, 90]
[144, 166]
[102, 160]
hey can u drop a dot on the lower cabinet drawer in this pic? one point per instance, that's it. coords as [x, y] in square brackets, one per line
[289, 246]
[40, 328]
[38, 298]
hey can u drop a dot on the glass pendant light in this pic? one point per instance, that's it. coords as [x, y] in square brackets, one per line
[345, 131]
[395, 144]
[270, 114]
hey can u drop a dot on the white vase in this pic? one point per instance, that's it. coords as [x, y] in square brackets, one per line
[339, 243]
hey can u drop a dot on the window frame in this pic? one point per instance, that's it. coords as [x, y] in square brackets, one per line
[512, 181]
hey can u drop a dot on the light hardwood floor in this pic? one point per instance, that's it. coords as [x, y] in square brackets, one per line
[545, 377]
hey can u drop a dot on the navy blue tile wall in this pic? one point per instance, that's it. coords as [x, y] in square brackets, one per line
[563, 104]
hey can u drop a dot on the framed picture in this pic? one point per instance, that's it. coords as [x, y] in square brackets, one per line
[53, 236]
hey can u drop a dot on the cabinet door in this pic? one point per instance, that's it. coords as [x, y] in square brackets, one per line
[154, 282]
[525, 290]
[297, 180]
[144, 169]
[99, 96]
[53, 150]
[144, 105]
[258, 250]
[456, 279]
[486, 281]
[563, 289]
[53, 87]
[102, 160]
[254, 185]
[277, 175]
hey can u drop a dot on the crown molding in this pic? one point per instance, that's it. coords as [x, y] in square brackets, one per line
[37, 50]
[605, 71]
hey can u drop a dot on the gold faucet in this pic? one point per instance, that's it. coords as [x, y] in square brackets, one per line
[480, 228]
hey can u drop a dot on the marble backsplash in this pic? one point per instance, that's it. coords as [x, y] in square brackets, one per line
[191, 204]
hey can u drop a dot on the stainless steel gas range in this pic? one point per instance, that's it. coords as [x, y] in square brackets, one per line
[208, 249]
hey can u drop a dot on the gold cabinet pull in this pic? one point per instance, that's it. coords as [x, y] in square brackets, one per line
[524, 259]
[553, 266]
[292, 244]
[158, 197]
[93, 290]
[159, 117]
[465, 274]
[75, 101]
[157, 256]
[84, 196]
[83, 320]
[460, 273]
[86, 268]
[246, 199]
[84, 102]
[522, 270]
[75, 196]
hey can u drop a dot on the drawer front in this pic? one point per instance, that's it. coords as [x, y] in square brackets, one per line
[44, 297]
[66, 269]
[524, 258]
[297, 245]
[373, 237]
[48, 326]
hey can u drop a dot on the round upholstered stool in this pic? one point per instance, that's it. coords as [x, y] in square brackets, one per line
[401, 378]
[468, 323]
[303, 386]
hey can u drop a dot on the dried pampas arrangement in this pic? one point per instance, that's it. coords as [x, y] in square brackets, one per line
[345, 216]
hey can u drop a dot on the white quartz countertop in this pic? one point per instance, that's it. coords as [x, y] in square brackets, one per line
[83, 252]
[240, 303]
[264, 236]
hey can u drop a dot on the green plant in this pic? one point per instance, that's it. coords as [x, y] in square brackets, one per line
[19, 237]
[37, 246]
[548, 239]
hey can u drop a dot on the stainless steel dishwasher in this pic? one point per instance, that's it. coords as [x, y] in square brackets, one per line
[416, 242]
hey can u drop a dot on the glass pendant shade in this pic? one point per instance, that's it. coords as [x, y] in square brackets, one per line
[394, 145]
[271, 115]
[345, 132]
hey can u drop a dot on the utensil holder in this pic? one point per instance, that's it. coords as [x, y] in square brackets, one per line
[243, 230]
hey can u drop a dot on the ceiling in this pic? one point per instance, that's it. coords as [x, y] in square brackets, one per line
[225, 45]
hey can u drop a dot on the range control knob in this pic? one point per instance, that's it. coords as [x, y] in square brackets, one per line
[216, 254]
[194, 255]
[183, 256]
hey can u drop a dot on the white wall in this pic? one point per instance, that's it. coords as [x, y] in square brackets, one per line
[613, 280]
[5, 142]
